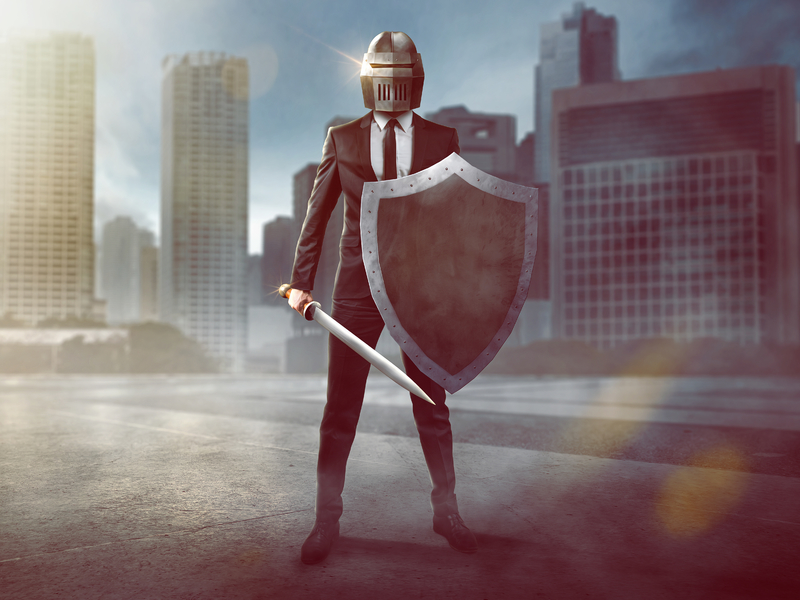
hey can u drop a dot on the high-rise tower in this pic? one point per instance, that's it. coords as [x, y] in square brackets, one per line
[204, 162]
[580, 49]
[47, 86]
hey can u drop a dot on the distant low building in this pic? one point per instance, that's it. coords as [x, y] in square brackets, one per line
[488, 141]
[148, 286]
[120, 259]
[278, 241]
[64, 350]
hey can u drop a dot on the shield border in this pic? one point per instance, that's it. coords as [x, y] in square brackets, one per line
[371, 195]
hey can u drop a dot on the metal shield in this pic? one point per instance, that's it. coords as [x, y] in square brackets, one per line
[449, 254]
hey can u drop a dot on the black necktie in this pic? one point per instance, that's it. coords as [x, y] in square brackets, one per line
[390, 152]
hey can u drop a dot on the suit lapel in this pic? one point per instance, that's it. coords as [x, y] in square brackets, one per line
[420, 142]
[363, 147]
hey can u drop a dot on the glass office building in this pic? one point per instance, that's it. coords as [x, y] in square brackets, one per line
[675, 209]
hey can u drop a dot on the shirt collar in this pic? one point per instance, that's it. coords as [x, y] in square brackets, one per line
[405, 120]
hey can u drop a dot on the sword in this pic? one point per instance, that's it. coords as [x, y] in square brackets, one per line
[313, 310]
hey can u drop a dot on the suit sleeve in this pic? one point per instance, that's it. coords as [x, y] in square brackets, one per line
[454, 147]
[324, 196]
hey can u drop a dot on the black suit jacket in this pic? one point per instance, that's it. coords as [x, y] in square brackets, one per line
[344, 168]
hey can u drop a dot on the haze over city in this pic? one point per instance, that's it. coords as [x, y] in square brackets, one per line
[304, 61]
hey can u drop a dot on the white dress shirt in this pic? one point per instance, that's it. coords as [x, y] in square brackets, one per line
[404, 135]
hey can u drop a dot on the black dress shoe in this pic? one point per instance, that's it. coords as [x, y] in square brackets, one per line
[319, 542]
[452, 527]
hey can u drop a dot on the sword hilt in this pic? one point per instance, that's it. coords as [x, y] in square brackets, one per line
[308, 309]
[285, 290]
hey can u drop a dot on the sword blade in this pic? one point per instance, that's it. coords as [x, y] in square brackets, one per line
[372, 356]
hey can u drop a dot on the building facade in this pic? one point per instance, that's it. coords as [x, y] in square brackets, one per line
[278, 242]
[120, 266]
[578, 50]
[204, 195]
[47, 112]
[488, 141]
[674, 209]
[148, 286]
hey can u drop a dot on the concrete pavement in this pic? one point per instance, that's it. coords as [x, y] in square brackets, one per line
[101, 499]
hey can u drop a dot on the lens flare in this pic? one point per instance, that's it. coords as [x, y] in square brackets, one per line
[693, 499]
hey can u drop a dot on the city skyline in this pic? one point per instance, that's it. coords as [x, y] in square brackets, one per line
[286, 45]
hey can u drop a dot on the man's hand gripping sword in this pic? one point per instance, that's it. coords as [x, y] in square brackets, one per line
[313, 311]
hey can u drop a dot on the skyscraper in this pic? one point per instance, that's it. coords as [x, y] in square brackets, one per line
[204, 164]
[120, 263]
[675, 210]
[580, 49]
[47, 84]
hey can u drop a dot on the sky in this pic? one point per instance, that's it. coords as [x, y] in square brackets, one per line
[304, 59]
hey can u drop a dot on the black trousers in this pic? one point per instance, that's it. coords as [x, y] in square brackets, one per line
[347, 379]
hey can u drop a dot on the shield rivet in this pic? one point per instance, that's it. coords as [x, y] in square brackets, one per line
[410, 185]
[392, 189]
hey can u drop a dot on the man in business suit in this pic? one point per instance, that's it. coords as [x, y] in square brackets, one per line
[389, 142]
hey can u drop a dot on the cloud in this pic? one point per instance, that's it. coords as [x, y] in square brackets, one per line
[729, 33]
